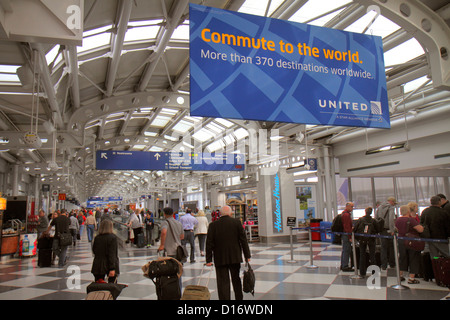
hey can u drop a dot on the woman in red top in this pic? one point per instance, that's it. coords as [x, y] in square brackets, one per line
[409, 259]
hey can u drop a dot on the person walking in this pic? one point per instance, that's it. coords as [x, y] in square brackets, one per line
[225, 243]
[135, 223]
[61, 224]
[74, 227]
[201, 231]
[171, 233]
[189, 222]
[91, 225]
[149, 225]
[105, 249]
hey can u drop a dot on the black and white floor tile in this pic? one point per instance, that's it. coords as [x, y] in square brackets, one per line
[278, 277]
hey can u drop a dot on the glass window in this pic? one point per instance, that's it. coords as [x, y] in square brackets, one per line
[406, 191]
[361, 192]
[384, 188]
[425, 190]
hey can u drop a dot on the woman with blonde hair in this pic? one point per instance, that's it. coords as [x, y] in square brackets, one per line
[413, 209]
[201, 230]
[105, 249]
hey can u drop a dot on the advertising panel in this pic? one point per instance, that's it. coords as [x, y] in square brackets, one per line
[256, 68]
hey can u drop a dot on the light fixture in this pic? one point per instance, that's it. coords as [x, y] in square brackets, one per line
[389, 149]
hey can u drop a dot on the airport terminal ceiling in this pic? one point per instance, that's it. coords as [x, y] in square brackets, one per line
[126, 88]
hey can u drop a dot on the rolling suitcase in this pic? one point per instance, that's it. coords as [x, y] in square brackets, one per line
[197, 292]
[99, 295]
[165, 272]
[45, 258]
[45, 252]
[441, 268]
[426, 268]
[101, 290]
[140, 242]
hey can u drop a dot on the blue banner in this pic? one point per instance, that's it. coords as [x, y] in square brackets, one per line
[255, 68]
[191, 161]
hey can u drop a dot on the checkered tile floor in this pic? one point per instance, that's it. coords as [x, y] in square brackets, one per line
[277, 277]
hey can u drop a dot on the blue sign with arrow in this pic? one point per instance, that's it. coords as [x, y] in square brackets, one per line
[189, 161]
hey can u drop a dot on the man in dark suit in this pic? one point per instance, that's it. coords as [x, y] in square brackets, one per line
[225, 242]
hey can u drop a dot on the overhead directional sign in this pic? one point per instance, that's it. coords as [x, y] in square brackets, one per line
[190, 161]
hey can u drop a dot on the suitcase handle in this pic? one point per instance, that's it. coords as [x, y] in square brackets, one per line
[201, 274]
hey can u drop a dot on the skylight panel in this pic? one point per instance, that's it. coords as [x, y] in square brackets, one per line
[181, 32]
[8, 74]
[316, 8]
[169, 111]
[258, 7]
[380, 27]
[214, 127]
[182, 126]
[224, 122]
[139, 147]
[155, 149]
[402, 53]
[95, 38]
[141, 33]
[216, 145]
[414, 84]
[240, 133]
[229, 139]
[202, 135]
[52, 54]
[160, 121]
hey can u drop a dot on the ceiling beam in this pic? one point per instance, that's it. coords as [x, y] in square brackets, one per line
[172, 23]
[117, 44]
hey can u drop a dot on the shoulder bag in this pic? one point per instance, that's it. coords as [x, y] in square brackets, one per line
[181, 254]
[415, 245]
[65, 239]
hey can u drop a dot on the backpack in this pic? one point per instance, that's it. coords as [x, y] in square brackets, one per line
[336, 225]
[365, 226]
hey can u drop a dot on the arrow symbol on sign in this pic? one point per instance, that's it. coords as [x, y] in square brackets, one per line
[103, 156]
[157, 156]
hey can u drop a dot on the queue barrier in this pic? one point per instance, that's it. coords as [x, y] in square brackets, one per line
[395, 237]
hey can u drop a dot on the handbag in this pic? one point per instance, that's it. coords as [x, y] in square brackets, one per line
[248, 283]
[65, 239]
[412, 244]
[181, 253]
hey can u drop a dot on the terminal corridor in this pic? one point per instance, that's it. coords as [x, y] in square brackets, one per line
[277, 278]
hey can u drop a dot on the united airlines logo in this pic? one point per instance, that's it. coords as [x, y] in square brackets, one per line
[375, 107]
